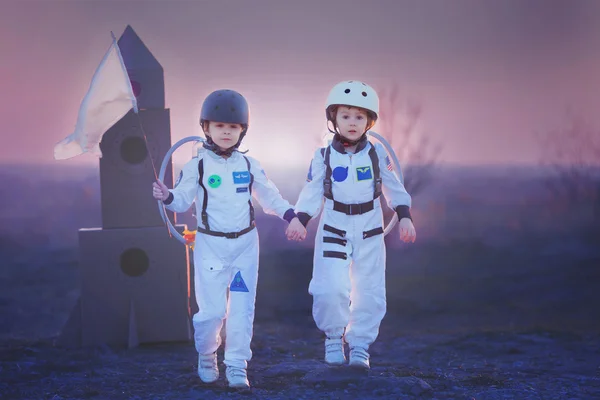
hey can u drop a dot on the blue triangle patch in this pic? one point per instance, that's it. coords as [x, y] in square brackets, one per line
[238, 284]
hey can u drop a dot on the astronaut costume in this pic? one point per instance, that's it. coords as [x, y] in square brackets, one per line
[348, 282]
[226, 250]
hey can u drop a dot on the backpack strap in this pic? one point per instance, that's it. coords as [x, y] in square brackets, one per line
[204, 215]
[327, 180]
[250, 189]
[376, 172]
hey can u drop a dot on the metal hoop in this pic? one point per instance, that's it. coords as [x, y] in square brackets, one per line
[397, 170]
[161, 176]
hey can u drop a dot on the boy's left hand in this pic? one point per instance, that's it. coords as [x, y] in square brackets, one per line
[407, 231]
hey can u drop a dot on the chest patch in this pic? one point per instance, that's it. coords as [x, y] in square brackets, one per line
[242, 189]
[214, 181]
[240, 177]
[340, 174]
[364, 173]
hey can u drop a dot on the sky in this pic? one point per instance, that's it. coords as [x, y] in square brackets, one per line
[489, 74]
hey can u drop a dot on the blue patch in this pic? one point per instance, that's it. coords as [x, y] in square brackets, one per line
[309, 176]
[241, 189]
[340, 174]
[241, 177]
[238, 284]
[363, 173]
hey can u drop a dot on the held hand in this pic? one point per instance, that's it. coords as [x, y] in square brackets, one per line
[295, 230]
[160, 191]
[407, 231]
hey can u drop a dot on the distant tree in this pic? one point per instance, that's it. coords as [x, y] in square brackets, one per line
[571, 153]
[399, 123]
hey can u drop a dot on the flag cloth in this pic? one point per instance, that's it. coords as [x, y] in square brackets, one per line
[109, 97]
[390, 167]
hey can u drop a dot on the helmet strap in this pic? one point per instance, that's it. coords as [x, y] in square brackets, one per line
[209, 144]
[347, 142]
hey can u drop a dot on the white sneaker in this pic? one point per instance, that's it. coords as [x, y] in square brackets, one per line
[334, 351]
[237, 377]
[359, 358]
[207, 367]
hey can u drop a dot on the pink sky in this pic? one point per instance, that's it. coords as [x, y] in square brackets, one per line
[489, 73]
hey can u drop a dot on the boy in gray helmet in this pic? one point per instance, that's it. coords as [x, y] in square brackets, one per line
[223, 181]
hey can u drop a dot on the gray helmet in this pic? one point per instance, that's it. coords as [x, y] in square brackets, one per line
[226, 106]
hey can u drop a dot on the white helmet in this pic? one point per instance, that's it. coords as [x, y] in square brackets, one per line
[355, 94]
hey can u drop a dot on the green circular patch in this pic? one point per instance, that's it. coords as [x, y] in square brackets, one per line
[214, 181]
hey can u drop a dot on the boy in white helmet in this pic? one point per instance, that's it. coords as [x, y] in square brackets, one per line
[348, 282]
[223, 181]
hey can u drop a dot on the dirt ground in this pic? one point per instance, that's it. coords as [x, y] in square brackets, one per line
[465, 321]
[287, 364]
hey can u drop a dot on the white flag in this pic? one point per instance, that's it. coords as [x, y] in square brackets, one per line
[108, 99]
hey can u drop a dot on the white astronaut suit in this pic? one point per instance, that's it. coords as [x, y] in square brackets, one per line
[226, 250]
[348, 282]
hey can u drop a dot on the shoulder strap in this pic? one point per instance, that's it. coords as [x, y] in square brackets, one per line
[327, 181]
[250, 190]
[376, 172]
[204, 215]
[250, 172]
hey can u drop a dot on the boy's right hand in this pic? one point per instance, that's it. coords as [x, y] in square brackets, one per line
[295, 230]
[160, 191]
